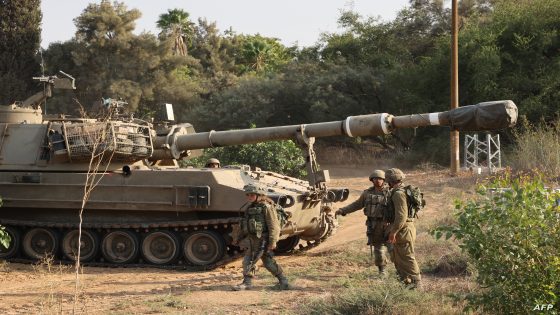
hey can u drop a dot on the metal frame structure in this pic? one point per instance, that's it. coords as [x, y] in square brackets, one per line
[483, 153]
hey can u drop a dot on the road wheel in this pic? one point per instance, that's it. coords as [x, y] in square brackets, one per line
[120, 247]
[40, 242]
[160, 247]
[204, 248]
[89, 245]
[13, 247]
[287, 245]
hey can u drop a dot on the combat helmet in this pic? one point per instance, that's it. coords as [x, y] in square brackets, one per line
[377, 174]
[254, 189]
[393, 175]
[212, 161]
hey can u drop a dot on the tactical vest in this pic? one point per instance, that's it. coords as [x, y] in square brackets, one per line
[375, 204]
[254, 222]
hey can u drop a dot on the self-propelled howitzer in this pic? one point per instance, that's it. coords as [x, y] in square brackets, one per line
[141, 207]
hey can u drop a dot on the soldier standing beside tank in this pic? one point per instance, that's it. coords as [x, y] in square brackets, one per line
[402, 232]
[260, 228]
[373, 200]
[212, 163]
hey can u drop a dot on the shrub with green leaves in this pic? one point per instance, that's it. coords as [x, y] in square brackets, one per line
[278, 156]
[512, 234]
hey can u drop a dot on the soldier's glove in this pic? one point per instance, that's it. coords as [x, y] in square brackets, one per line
[339, 212]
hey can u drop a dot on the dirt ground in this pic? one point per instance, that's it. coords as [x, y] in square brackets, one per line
[49, 289]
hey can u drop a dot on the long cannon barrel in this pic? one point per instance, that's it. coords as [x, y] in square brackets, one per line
[480, 117]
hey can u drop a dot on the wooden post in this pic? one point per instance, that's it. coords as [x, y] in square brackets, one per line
[454, 135]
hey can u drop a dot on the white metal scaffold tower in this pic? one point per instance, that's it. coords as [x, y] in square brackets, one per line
[483, 153]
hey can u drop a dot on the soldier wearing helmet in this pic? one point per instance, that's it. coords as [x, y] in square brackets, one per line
[260, 230]
[213, 163]
[402, 232]
[374, 201]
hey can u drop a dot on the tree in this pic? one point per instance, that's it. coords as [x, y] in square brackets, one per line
[260, 55]
[176, 25]
[215, 53]
[109, 60]
[20, 32]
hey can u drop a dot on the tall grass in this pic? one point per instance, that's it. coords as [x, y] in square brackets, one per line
[537, 147]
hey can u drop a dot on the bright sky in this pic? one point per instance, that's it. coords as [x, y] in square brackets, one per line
[292, 21]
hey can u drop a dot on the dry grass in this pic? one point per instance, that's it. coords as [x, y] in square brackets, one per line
[57, 283]
[538, 147]
[4, 266]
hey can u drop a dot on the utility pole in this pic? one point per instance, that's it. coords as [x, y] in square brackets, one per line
[454, 135]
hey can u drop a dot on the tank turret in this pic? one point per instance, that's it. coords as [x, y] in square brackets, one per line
[143, 208]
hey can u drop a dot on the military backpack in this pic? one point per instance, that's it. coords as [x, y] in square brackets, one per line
[254, 222]
[414, 202]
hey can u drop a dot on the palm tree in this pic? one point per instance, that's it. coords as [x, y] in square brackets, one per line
[257, 52]
[176, 23]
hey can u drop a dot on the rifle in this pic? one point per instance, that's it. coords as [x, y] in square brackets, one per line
[258, 254]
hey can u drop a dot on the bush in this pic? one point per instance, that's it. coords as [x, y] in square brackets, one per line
[277, 156]
[512, 235]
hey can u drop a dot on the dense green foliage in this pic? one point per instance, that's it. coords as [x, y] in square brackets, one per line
[512, 235]
[277, 156]
[20, 33]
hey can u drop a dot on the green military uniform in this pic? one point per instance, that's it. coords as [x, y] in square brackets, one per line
[403, 227]
[260, 227]
[373, 202]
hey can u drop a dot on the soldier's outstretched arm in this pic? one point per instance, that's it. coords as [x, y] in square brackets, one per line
[354, 206]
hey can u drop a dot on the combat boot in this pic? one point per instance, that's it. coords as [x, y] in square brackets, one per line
[413, 284]
[282, 283]
[416, 285]
[245, 285]
[382, 272]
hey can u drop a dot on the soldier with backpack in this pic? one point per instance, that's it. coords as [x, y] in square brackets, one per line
[374, 201]
[402, 232]
[260, 228]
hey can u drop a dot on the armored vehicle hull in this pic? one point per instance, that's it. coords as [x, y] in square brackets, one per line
[166, 216]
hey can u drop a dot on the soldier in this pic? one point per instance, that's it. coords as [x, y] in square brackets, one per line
[213, 163]
[373, 200]
[402, 233]
[260, 228]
